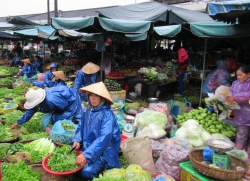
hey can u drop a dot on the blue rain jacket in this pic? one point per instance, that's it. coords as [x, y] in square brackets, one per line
[219, 76]
[63, 102]
[99, 133]
[16, 61]
[27, 70]
[83, 80]
[59, 82]
[36, 65]
[47, 80]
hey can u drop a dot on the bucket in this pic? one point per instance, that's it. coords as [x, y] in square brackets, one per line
[175, 111]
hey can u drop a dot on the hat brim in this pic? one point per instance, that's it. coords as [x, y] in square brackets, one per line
[41, 96]
[90, 68]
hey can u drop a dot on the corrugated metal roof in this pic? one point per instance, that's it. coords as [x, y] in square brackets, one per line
[66, 14]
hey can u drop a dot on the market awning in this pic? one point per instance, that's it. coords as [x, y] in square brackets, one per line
[72, 23]
[219, 29]
[153, 11]
[167, 31]
[125, 26]
[46, 31]
[131, 37]
[17, 20]
[33, 33]
[228, 11]
[6, 26]
[4, 35]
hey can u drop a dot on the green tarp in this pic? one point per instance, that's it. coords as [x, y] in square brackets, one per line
[72, 23]
[219, 29]
[131, 37]
[168, 31]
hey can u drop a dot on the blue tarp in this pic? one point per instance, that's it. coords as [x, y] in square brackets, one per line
[229, 10]
[46, 31]
[72, 23]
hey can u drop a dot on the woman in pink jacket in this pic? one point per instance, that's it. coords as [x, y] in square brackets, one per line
[240, 93]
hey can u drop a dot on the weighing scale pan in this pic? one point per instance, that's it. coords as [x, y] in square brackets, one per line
[220, 145]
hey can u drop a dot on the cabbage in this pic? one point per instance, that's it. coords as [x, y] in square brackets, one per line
[205, 135]
[181, 133]
[136, 173]
[148, 116]
[114, 173]
[239, 154]
[190, 122]
[198, 142]
[152, 131]
[194, 131]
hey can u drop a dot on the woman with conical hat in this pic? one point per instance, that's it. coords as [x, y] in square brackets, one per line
[47, 83]
[86, 76]
[59, 78]
[26, 70]
[98, 133]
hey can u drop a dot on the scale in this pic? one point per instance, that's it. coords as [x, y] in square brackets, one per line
[220, 158]
[129, 125]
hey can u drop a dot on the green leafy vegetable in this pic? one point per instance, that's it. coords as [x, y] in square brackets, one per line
[67, 126]
[5, 133]
[61, 160]
[19, 172]
[34, 136]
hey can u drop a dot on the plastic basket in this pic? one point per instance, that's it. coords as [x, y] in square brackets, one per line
[7, 110]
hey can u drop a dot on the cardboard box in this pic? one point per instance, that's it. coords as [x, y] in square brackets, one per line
[118, 95]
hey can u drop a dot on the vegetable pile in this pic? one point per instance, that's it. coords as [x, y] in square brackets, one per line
[115, 74]
[3, 147]
[7, 80]
[208, 121]
[33, 152]
[112, 85]
[11, 117]
[57, 163]
[19, 172]
[132, 173]
[5, 134]
[67, 126]
[34, 136]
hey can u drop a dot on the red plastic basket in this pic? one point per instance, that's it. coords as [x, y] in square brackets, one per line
[47, 169]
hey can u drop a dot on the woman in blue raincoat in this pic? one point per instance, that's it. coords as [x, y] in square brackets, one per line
[219, 76]
[98, 133]
[47, 83]
[26, 70]
[36, 65]
[86, 76]
[59, 78]
[62, 101]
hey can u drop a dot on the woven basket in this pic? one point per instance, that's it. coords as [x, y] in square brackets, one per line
[196, 157]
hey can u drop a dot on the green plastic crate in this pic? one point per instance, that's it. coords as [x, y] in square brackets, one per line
[188, 173]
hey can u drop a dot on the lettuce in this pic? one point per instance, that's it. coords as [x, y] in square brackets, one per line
[136, 173]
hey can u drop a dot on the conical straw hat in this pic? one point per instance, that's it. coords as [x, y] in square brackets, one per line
[26, 60]
[60, 75]
[90, 68]
[98, 89]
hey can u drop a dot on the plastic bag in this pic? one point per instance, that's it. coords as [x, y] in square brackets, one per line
[138, 89]
[151, 131]
[60, 133]
[163, 177]
[46, 119]
[115, 173]
[157, 146]
[239, 154]
[175, 152]
[159, 107]
[139, 151]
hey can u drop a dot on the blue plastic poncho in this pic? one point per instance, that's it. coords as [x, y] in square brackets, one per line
[59, 82]
[47, 78]
[99, 133]
[63, 102]
[83, 80]
[36, 65]
[27, 71]
[219, 76]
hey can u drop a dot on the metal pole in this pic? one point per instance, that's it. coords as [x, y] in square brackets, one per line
[56, 8]
[203, 69]
[147, 49]
[48, 13]
[102, 66]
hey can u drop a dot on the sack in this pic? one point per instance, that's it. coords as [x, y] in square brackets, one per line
[138, 151]
[63, 131]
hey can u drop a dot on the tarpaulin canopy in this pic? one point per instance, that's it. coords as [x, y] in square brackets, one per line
[124, 26]
[17, 20]
[4, 35]
[219, 29]
[6, 26]
[33, 33]
[228, 11]
[167, 31]
[131, 37]
[45, 31]
[153, 11]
